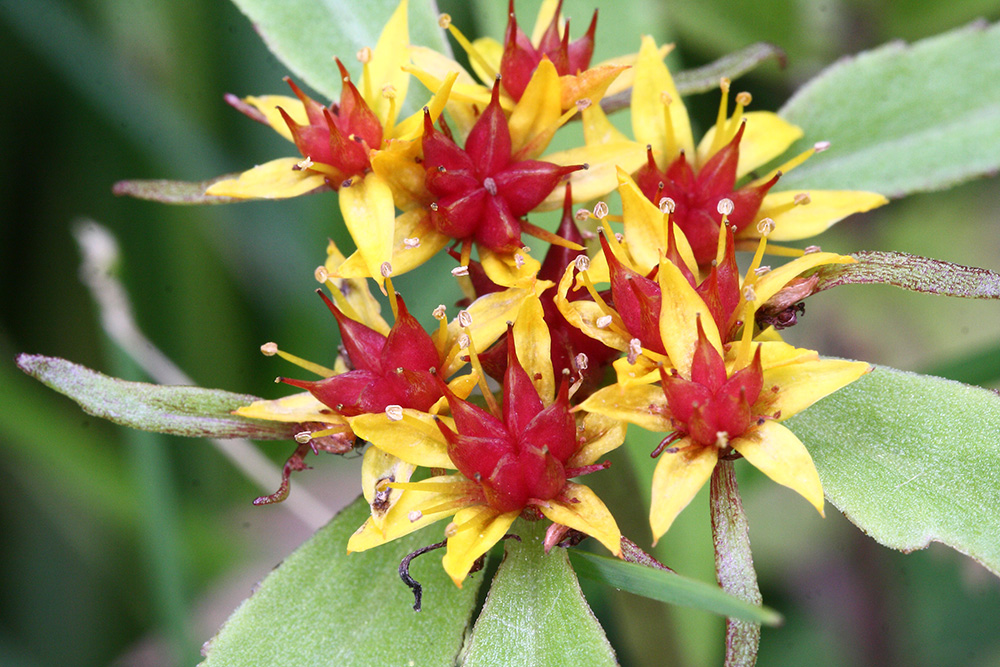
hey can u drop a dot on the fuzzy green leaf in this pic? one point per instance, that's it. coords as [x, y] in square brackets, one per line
[910, 272]
[911, 459]
[334, 28]
[904, 118]
[323, 606]
[535, 613]
[668, 587]
[177, 410]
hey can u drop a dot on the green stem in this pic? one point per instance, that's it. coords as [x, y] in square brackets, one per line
[734, 562]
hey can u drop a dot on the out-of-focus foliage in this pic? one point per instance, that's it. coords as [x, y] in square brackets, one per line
[101, 91]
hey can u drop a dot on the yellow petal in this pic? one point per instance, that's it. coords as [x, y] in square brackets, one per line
[598, 129]
[490, 314]
[590, 85]
[652, 80]
[801, 385]
[370, 217]
[679, 313]
[646, 228]
[534, 348]
[403, 518]
[600, 178]
[503, 268]
[378, 469]
[294, 409]
[415, 438]
[825, 208]
[355, 291]
[413, 127]
[767, 135]
[771, 282]
[584, 314]
[479, 528]
[277, 179]
[676, 481]
[626, 79]
[491, 51]
[410, 225]
[533, 121]
[398, 167]
[386, 68]
[643, 371]
[601, 434]
[644, 405]
[579, 508]
[268, 105]
[779, 454]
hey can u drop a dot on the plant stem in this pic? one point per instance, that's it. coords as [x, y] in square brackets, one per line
[734, 562]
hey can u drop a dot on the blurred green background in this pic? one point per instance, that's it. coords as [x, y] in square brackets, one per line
[129, 549]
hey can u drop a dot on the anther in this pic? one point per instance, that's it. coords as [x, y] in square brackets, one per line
[821, 146]
[415, 515]
[581, 214]
[394, 412]
[725, 206]
[802, 199]
[583, 103]
[464, 341]
[582, 262]
[581, 361]
[460, 271]
[665, 98]
[464, 318]
[364, 55]
[269, 349]
[385, 269]
[451, 530]
[744, 98]
[721, 439]
[439, 312]
[765, 226]
[304, 164]
[411, 243]
[604, 321]
[600, 210]
[724, 84]
[389, 91]
[433, 206]
[749, 294]
[634, 350]
[518, 260]
[444, 21]
[490, 185]
[668, 205]
[321, 274]
[619, 237]
[302, 437]
[761, 270]
[811, 249]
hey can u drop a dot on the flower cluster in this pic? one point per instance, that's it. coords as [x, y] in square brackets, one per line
[652, 325]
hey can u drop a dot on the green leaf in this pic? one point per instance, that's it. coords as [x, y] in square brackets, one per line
[910, 272]
[668, 587]
[178, 410]
[323, 606]
[911, 459]
[904, 119]
[535, 613]
[306, 35]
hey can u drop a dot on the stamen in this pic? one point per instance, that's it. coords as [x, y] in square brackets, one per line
[619, 325]
[667, 205]
[742, 100]
[415, 515]
[634, 350]
[445, 22]
[547, 236]
[670, 147]
[394, 412]
[271, 349]
[411, 243]
[600, 210]
[765, 226]
[305, 163]
[460, 271]
[720, 139]
[386, 271]
[321, 274]
[811, 249]
[786, 167]
[582, 263]
[582, 215]
[466, 252]
[491, 401]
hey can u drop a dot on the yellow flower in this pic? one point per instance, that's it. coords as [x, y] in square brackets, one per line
[510, 462]
[719, 391]
[667, 165]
